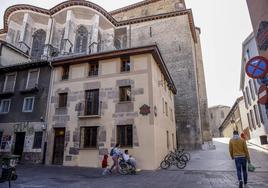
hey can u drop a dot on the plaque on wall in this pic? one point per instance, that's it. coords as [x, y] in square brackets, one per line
[145, 110]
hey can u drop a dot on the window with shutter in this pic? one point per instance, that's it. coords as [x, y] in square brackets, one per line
[9, 82]
[81, 40]
[5, 105]
[32, 79]
[38, 45]
[28, 104]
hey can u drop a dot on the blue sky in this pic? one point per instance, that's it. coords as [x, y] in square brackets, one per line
[224, 25]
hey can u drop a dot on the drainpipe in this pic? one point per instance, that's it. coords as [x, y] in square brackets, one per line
[48, 97]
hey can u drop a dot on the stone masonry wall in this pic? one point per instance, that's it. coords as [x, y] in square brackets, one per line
[174, 39]
[157, 7]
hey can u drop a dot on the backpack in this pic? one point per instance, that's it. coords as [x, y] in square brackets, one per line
[112, 152]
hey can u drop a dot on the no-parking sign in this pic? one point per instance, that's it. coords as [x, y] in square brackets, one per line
[257, 67]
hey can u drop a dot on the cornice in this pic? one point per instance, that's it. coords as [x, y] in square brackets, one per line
[99, 9]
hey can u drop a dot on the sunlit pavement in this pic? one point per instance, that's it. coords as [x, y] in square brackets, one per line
[207, 169]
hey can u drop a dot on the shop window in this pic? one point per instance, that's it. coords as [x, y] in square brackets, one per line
[125, 135]
[125, 93]
[38, 136]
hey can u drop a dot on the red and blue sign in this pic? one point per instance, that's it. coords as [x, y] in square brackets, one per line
[257, 67]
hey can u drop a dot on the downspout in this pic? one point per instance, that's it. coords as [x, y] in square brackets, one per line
[49, 95]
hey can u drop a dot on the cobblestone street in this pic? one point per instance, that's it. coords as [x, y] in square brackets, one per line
[207, 169]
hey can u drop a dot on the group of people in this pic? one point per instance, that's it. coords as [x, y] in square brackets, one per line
[116, 154]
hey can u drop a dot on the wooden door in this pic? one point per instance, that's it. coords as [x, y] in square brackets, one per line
[58, 152]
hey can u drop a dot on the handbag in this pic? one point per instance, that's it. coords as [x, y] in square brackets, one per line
[251, 168]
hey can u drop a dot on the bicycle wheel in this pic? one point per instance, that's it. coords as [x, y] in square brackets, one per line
[181, 164]
[165, 164]
[188, 155]
[184, 158]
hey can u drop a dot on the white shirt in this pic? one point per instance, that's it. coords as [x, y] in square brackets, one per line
[126, 157]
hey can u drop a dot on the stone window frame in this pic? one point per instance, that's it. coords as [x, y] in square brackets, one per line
[123, 91]
[6, 79]
[37, 78]
[62, 103]
[125, 64]
[82, 137]
[24, 104]
[98, 103]
[65, 72]
[118, 137]
[37, 144]
[1, 106]
[96, 69]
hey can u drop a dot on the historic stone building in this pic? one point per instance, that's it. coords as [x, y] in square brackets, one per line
[59, 30]
[79, 28]
[217, 115]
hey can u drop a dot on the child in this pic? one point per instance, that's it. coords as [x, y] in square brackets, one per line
[104, 164]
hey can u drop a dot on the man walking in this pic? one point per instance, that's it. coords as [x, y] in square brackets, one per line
[239, 152]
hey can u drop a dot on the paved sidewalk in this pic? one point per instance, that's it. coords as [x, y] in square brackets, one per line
[219, 159]
[207, 169]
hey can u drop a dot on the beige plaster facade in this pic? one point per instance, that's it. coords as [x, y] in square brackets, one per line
[153, 134]
[165, 22]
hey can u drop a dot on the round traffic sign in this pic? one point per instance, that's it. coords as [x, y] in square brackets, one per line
[257, 67]
[263, 94]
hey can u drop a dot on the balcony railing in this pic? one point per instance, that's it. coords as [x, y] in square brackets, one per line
[93, 111]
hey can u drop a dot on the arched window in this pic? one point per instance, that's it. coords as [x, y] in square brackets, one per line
[38, 45]
[81, 40]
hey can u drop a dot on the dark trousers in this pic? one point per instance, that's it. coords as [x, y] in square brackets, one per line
[241, 165]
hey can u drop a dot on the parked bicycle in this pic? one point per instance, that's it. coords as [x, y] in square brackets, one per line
[177, 158]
